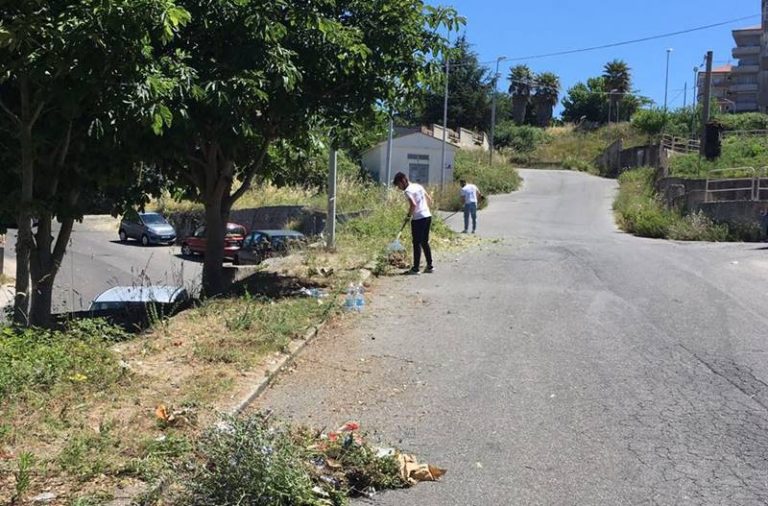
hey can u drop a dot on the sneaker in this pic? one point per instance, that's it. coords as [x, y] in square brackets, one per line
[429, 270]
[463, 231]
[412, 272]
[473, 231]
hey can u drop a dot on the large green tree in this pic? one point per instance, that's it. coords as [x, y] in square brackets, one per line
[469, 92]
[545, 96]
[70, 72]
[521, 84]
[268, 71]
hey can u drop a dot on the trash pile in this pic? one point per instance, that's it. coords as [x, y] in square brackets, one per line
[251, 460]
[343, 460]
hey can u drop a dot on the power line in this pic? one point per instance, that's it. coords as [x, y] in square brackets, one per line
[634, 41]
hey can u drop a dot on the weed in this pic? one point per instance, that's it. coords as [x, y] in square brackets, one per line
[23, 476]
[96, 499]
[159, 455]
[247, 462]
[87, 452]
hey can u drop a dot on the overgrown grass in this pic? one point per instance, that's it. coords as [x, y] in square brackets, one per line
[737, 151]
[639, 211]
[351, 195]
[577, 149]
[250, 461]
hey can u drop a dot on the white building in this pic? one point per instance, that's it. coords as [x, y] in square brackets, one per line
[414, 153]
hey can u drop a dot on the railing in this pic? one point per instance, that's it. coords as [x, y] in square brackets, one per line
[747, 182]
[680, 144]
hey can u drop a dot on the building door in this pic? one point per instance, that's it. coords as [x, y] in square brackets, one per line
[418, 168]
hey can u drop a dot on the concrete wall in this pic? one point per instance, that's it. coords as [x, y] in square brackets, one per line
[375, 159]
[615, 159]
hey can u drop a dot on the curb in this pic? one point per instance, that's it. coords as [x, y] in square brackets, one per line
[294, 349]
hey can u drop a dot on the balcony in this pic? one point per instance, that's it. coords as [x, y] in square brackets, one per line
[742, 51]
[745, 69]
[743, 88]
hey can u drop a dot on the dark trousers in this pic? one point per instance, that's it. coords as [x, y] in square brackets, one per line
[420, 233]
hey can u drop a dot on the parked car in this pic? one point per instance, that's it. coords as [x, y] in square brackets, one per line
[233, 239]
[137, 307]
[129, 297]
[261, 244]
[149, 228]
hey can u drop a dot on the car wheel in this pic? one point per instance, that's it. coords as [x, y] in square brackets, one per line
[123, 236]
[186, 251]
[144, 240]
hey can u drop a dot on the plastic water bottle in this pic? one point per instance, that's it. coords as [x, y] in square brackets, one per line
[359, 299]
[350, 300]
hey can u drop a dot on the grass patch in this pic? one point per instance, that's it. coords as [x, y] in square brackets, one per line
[639, 211]
[737, 151]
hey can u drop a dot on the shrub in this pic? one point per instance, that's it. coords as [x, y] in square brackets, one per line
[650, 122]
[501, 177]
[743, 121]
[521, 139]
[247, 462]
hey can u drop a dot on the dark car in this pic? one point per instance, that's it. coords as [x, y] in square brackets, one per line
[195, 243]
[262, 244]
[149, 228]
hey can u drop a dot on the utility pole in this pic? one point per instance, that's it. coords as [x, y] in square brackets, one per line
[705, 106]
[666, 80]
[493, 107]
[695, 98]
[330, 223]
[445, 122]
[388, 181]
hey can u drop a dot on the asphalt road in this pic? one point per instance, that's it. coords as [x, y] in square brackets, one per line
[566, 363]
[96, 260]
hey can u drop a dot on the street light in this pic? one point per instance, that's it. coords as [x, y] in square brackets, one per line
[666, 79]
[493, 106]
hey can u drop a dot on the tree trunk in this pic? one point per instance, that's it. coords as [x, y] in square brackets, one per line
[543, 114]
[218, 184]
[24, 240]
[216, 227]
[519, 108]
[44, 265]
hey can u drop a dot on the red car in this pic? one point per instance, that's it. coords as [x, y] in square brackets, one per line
[233, 239]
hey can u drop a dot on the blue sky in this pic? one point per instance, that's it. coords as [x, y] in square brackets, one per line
[515, 29]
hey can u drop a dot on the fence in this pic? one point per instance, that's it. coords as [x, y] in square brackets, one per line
[736, 184]
[680, 144]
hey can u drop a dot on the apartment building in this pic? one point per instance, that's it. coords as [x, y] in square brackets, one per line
[743, 87]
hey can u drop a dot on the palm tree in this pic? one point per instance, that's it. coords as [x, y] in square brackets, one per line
[545, 97]
[618, 82]
[520, 85]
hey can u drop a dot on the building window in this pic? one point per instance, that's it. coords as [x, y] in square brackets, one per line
[418, 168]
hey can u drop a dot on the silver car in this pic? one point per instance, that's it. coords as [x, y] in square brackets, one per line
[127, 297]
[149, 228]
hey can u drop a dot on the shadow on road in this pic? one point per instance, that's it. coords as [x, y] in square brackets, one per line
[137, 244]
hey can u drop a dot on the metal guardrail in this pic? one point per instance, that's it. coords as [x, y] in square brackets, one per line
[748, 180]
[680, 144]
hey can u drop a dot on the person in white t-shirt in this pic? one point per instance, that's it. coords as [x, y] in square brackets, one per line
[470, 197]
[421, 220]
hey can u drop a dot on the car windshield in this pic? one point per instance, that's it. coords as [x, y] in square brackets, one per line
[153, 219]
[235, 230]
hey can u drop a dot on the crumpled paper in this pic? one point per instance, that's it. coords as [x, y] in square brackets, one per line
[413, 472]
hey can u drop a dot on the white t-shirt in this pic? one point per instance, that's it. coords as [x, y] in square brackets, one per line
[469, 192]
[418, 194]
